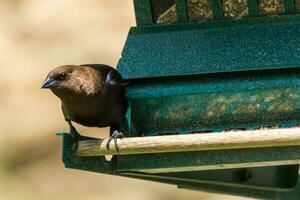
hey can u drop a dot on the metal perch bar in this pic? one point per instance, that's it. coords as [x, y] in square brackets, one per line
[192, 142]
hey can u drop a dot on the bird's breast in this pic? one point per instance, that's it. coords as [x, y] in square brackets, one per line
[96, 111]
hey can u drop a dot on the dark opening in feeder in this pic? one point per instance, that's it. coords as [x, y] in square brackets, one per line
[199, 10]
[210, 66]
[164, 11]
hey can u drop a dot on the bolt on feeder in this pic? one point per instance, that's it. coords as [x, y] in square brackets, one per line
[209, 66]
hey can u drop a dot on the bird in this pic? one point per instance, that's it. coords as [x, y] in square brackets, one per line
[93, 95]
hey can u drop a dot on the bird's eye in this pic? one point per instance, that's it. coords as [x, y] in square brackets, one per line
[62, 76]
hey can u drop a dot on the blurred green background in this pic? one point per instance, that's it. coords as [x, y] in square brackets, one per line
[36, 36]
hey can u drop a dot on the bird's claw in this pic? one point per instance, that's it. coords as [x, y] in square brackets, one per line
[75, 138]
[114, 136]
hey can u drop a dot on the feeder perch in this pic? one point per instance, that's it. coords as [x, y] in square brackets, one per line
[214, 98]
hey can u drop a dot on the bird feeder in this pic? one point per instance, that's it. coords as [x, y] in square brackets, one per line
[214, 98]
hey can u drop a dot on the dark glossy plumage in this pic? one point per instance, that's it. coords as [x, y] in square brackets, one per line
[91, 94]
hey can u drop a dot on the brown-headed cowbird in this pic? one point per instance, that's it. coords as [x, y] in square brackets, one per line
[92, 95]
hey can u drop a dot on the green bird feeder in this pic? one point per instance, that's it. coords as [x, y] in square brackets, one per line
[224, 68]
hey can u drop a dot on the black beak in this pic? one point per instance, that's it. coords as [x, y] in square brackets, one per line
[48, 83]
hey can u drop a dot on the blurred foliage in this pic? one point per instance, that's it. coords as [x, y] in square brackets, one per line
[23, 154]
[13, 4]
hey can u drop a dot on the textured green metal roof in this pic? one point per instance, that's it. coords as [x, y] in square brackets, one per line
[218, 46]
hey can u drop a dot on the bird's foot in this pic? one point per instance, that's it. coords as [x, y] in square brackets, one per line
[116, 134]
[75, 136]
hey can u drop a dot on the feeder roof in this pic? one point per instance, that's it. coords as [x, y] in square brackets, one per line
[234, 45]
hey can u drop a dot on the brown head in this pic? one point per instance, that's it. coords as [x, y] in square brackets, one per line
[73, 79]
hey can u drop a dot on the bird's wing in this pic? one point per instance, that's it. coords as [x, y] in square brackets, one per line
[113, 77]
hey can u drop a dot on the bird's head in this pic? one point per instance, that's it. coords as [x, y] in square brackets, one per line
[72, 79]
[59, 78]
